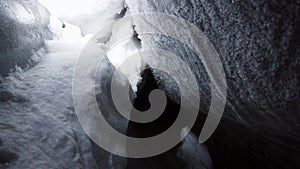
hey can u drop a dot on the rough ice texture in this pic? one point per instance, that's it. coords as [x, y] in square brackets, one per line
[259, 46]
[23, 28]
[39, 127]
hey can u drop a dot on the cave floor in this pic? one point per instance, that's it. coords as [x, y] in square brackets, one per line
[38, 112]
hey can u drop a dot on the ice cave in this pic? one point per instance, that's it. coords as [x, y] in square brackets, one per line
[245, 54]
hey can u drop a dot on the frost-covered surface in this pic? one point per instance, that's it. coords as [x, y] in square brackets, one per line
[38, 123]
[23, 28]
[258, 44]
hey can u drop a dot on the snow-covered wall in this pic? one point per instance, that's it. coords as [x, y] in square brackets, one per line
[259, 46]
[23, 28]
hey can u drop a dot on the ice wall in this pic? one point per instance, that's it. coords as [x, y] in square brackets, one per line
[23, 28]
[258, 43]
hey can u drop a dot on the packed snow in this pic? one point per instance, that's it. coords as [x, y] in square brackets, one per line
[37, 109]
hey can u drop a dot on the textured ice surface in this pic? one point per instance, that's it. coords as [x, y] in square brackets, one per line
[39, 128]
[23, 28]
[258, 44]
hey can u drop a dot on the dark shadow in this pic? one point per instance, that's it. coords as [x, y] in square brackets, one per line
[169, 159]
[7, 157]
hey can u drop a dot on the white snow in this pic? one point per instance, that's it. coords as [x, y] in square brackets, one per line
[92, 17]
[89, 15]
[39, 113]
[23, 15]
[122, 50]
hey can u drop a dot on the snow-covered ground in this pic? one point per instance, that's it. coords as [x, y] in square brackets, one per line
[38, 124]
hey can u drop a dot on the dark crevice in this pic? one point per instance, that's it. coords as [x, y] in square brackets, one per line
[123, 12]
[137, 40]
[141, 102]
[169, 159]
